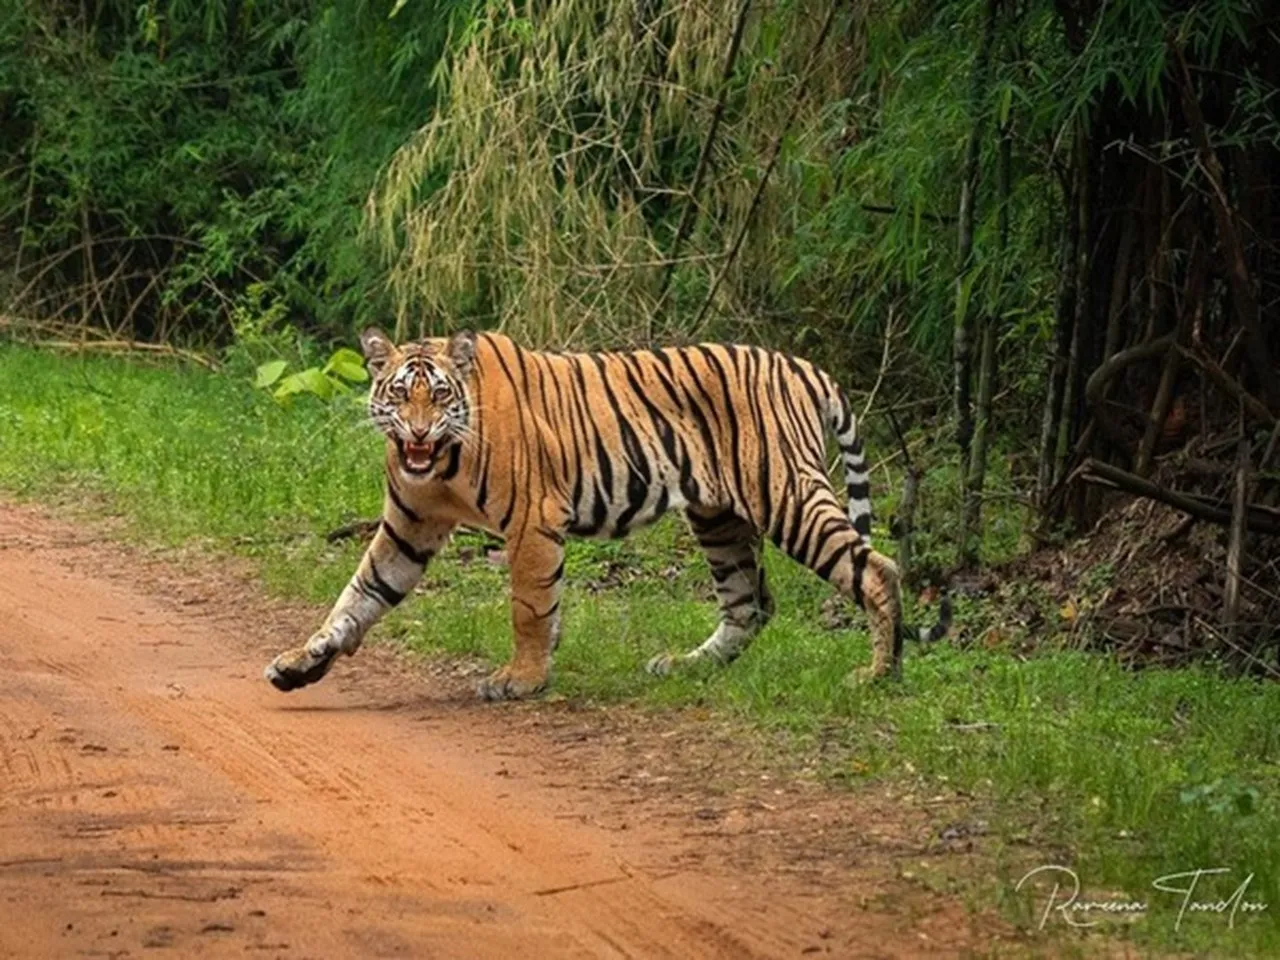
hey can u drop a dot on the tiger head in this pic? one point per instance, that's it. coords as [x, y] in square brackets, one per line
[420, 396]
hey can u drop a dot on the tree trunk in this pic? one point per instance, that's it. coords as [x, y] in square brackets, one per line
[971, 522]
[1064, 325]
[962, 345]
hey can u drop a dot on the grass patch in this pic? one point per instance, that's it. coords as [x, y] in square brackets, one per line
[1126, 776]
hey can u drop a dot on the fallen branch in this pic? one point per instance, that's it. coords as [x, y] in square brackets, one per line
[129, 346]
[1257, 519]
[363, 529]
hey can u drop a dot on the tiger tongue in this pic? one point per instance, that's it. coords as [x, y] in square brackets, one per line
[418, 455]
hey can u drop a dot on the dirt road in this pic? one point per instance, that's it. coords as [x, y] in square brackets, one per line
[156, 795]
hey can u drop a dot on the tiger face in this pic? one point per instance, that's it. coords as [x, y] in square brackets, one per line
[420, 397]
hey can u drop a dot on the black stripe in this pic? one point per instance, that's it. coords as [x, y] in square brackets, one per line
[804, 382]
[664, 376]
[536, 615]
[599, 513]
[820, 524]
[420, 557]
[389, 594]
[400, 504]
[703, 524]
[825, 569]
[555, 536]
[695, 407]
[791, 501]
[482, 495]
[548, 582]
[720, 572]
[764, 474]
[561, 416]
[666, 434]
[511, 508]
[604, 464]
[732, 416]
[661, 504]
[846, 416]
[455, 460]
[859, 565]
[637, 456]
[516, 389]
[639, 476]
[802, 421]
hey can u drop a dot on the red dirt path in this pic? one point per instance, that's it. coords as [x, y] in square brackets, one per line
[158, 797]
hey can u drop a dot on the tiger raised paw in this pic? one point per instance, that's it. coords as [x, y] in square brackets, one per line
[535, 447]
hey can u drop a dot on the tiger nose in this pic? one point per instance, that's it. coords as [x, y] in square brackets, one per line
[419, 436]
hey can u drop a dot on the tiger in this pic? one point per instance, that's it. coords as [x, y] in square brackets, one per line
[535, 447]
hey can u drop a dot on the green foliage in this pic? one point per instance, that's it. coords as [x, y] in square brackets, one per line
[332, 380]
[159, 158]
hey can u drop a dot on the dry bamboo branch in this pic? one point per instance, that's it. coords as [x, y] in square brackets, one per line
[884, 363]
[704, 158]
[1235, 547]
[905, 527]
[128, 346]
[775, 150]
[1095, 471]
[1242, 294]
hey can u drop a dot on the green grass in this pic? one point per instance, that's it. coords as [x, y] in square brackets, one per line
[1124, 775]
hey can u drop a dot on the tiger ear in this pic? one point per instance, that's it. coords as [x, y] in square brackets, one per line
[377, 349]
[462, 352]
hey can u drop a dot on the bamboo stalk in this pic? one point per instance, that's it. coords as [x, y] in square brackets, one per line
[732, 253]
[689, 213]
[962, 340]
[1242, 293]
[1235, 546]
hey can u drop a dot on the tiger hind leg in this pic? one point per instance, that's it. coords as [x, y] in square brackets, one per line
[732, 547]
[826, 541]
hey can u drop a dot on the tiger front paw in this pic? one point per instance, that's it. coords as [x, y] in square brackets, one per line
[297, 668]
[508, 683]
[663, 664]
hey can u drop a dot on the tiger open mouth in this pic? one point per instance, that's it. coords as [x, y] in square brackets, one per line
[417, 457]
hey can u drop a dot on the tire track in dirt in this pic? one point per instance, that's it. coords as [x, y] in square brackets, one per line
[157, 796]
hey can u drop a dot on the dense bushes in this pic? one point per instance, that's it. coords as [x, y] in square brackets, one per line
[158, 158]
